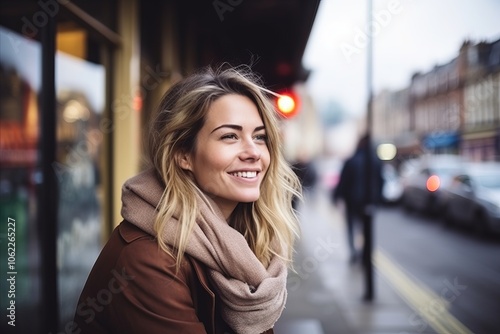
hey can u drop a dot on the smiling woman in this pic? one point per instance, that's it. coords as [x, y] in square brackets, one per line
[217, 201]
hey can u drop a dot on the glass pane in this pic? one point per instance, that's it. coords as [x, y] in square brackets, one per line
[19, 242]
[80, 89]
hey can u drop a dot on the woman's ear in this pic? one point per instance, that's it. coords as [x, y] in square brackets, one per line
[183, 159]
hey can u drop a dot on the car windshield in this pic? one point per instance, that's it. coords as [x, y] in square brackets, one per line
[489, 180]
[445, 171]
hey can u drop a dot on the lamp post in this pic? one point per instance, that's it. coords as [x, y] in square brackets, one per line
[368, 210]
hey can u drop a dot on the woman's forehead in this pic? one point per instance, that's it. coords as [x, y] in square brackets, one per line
[233, 109]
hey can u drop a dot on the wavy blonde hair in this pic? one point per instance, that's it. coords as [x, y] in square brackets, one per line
[181, 115]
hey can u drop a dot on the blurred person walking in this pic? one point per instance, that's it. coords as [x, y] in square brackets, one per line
[306, 172]
[208, 230]
[352, 188]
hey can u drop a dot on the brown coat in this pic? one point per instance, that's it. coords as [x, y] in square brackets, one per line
[133, 288]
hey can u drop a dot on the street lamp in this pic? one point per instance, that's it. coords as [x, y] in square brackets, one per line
[369, 205]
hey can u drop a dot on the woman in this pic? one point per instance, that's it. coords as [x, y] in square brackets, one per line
[208, 231]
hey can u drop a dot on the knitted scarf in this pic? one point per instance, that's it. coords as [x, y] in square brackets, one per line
[253, 296]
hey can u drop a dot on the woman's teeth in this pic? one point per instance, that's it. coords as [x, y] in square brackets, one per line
[245, 174]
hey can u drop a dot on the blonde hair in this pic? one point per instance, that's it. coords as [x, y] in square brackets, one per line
[269, 224]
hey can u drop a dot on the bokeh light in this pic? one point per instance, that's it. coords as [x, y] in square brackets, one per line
[386, 151]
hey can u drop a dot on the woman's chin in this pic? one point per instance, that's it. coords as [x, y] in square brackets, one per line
[248, 198]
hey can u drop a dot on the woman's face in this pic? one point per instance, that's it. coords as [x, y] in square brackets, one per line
[231, 155]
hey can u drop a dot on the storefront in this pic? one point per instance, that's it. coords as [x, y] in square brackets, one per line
[481, 145]
[442, 142]
[79, 81]
[55, 161]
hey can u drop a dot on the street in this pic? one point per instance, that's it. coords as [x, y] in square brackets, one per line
[428, 278]
[455, 264]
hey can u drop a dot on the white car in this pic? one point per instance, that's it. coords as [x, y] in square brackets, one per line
[473, 197]
[426, 178]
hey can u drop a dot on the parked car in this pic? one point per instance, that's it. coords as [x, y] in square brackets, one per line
[423, 182]
[473, 197]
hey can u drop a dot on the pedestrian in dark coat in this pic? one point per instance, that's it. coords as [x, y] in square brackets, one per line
[352, 189]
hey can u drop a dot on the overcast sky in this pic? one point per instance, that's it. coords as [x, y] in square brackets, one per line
[409, 36]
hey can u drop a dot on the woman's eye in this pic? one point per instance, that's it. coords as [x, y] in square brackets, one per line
[229, 136]
[262, 137]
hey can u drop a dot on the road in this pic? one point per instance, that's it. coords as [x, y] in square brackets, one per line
[457, 266]
[428, 278]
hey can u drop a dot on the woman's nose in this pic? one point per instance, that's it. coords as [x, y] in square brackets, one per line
[251, 151]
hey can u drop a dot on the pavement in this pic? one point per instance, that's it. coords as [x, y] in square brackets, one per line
[325, 291]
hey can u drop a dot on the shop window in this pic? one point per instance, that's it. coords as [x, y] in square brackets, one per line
[80, 81]
[19, 89]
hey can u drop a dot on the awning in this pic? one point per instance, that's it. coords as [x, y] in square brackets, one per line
[441, 140]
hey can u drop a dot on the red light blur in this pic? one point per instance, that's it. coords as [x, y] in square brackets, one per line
[433, 183]
[287, 104]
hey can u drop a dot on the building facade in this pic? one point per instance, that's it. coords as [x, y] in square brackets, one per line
[480, 140]
[436, 107]
[392, 118]
[453, 108]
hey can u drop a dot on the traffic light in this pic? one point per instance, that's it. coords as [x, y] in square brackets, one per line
[287, 104]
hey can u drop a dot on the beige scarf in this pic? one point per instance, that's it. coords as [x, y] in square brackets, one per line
[253, 297]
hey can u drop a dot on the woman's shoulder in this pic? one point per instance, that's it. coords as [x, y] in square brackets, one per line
[141, 250]
[141, 247]
[130, 233]
[142, 279]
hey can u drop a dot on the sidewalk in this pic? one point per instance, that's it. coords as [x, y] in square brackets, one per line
[325, 291]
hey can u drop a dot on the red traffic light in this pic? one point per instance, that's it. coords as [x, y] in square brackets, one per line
[287, 104]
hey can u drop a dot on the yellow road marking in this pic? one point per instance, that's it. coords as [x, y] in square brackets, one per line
[431, 307]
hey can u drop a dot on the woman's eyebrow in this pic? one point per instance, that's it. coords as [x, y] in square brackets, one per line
[232, 126]
[237, 127]
[262, 127]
